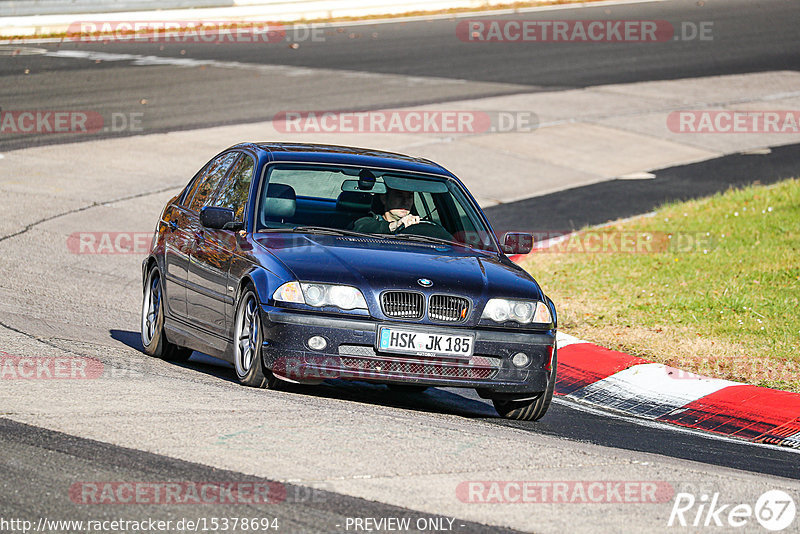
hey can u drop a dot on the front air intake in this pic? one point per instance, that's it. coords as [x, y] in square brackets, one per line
[448, 308]
[403, 304]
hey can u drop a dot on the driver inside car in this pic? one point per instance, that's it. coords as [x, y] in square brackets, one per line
[397, 214]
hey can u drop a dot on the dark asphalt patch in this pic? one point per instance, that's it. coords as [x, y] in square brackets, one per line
[40, 466]
[595, 204]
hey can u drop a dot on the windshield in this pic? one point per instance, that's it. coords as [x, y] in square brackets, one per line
[376, 202]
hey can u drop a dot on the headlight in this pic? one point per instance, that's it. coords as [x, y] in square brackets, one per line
[346, 297]
[521, 311]
[314, 293]
[289, 292]
[542, 314]
[319, 295]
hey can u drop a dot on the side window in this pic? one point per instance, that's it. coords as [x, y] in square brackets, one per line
[208, 183]
[467, 229]
[234, 190]
[463, 218]
[426, 207]
[193, 187]
[309, 183]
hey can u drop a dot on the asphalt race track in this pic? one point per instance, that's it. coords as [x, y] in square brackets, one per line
[751, 36]
[340, 451]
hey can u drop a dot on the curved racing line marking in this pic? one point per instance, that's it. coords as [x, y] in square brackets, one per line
[638, 387]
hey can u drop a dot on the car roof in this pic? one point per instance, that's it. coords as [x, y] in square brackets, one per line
[345, 155]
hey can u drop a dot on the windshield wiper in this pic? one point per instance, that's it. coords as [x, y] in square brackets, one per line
[338, 231]
[330, 231]
[439, 240]
[429, 239]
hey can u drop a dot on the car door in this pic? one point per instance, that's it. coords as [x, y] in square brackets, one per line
[207, 277]
[176, 260]
[234, 194]
[178, 244]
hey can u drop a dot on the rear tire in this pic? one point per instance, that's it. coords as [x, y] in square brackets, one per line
[248, 338]
[530, 410]
[154, 340]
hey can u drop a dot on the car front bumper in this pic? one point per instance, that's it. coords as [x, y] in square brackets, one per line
[350, 354]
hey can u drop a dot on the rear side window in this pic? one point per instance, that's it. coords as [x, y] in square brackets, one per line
[310, 183]
[210, 180]
[234, 191]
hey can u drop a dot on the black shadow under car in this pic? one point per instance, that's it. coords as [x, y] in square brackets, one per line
[301, 263]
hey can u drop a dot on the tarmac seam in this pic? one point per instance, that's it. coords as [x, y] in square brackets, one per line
[95, 204]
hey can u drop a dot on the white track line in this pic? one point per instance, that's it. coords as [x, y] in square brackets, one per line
[381, 21]
[274, 69]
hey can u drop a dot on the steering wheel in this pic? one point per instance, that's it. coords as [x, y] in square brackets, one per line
[426, 227]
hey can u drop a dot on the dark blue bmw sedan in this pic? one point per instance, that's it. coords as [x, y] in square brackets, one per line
[302, 263]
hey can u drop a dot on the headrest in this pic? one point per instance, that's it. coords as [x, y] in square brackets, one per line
[281, 201]
[354, 201]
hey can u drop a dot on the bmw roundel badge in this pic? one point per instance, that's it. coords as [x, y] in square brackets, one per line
[424, 282]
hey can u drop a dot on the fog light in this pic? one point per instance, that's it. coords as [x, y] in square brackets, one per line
[317, 343]
[520, 359]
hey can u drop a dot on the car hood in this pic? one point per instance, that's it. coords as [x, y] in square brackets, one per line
[374, 265]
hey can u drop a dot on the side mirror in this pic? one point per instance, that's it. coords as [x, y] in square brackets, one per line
[517, 243]
[219, 218]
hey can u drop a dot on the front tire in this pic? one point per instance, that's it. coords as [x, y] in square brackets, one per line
[154, 340]
[530, 410]
[248, 338]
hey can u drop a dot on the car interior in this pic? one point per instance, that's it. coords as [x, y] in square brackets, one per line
[332, 200]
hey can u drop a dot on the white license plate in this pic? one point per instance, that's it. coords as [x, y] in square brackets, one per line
[420, 343]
